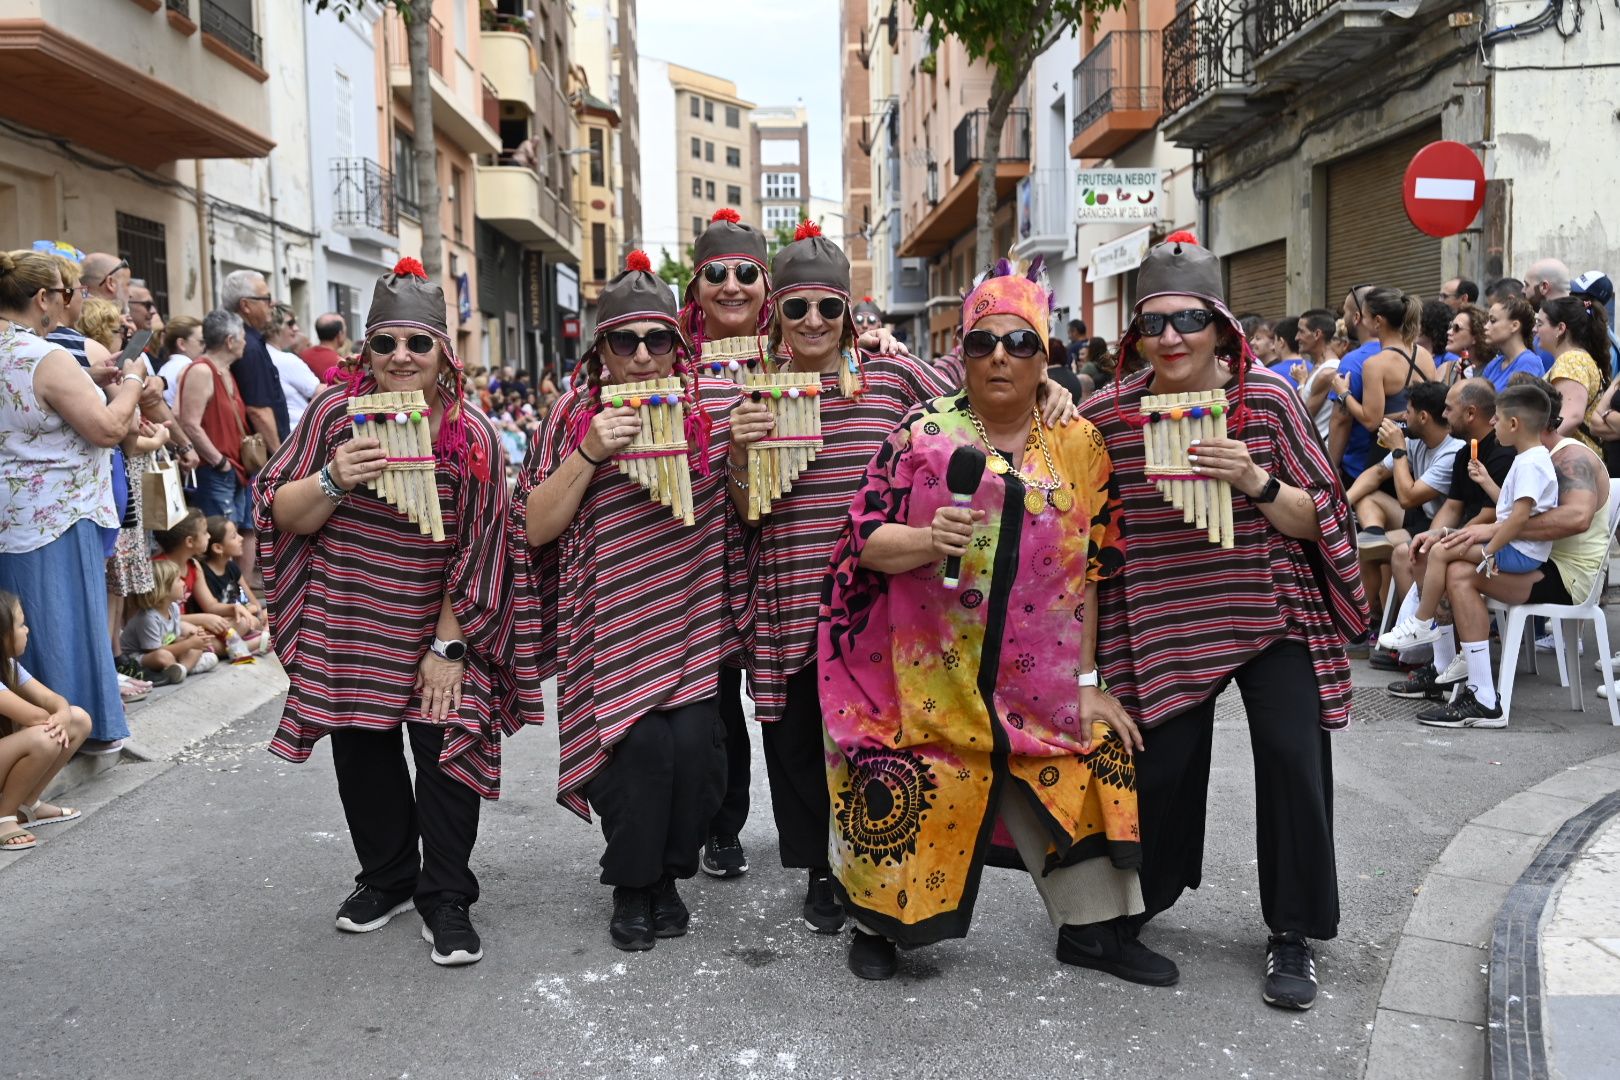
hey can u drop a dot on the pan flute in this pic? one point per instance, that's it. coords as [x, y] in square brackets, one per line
[400, 423]
[794, 399]
[1173, 422]
[735, 358]
[656, 457]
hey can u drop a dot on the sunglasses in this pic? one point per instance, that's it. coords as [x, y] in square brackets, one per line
[150, 305]
[67, 293]
[108, 275]
[623, 343]
[385, 344]
[797, 307]
[865, 318]
[746, 273]
[977, 344]
[1186, 321]
[1354, 298]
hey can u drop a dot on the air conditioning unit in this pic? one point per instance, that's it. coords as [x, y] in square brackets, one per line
[913, 273]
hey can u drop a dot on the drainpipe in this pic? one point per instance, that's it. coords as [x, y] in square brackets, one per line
[275, 237]
[205, 259]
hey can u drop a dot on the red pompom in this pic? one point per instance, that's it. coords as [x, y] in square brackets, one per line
[726, 213]
[806, 230]
[410, 266]
[867, 300]
[1182, 236]
[637, 260]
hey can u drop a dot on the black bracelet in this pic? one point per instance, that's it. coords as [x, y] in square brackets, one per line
[587, 457]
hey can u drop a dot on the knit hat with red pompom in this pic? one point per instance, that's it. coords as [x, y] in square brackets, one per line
[635, 295]
[867, 306]
[810, 262]
[1180, 266]
[405, 297]
[727, 239]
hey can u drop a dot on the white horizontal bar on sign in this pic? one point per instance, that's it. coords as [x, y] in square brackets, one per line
[1436, 187]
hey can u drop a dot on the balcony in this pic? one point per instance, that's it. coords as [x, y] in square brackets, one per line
[459, 107]
[1297, 40]
[1208, 73]
[1045, 214]
[509, 63]
[363, 206]
[955, 212]
[66, 60]
[228, 36]
[1116, 92]
[969, 142]
[512, 199]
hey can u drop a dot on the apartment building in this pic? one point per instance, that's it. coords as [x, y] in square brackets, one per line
[604, 187]
[856, 85]
[781, 175]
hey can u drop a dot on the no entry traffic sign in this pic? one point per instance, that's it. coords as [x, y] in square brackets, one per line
[1445, 187]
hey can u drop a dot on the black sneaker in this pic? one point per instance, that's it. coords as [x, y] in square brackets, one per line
[1112, 947]
[723, 857]
[1290, 972]
[369, 909]
[822, 911]
[1388, 660]
[669, 911]
[871, 956]
[449, 929]
[1419, 686]
[1464, 711]
[632, 925]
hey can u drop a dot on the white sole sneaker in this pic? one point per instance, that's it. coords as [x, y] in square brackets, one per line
[455, 959]
[1612, 661]
[1455, 672]
[348, 926]
[1404, 637]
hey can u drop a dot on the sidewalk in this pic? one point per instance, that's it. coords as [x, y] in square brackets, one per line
[1580, 960]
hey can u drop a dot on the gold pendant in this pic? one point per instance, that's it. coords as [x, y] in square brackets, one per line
[1034, 501]
[997, 464]
[1062, 500]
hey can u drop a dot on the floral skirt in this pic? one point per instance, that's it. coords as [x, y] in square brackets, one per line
[129, 568]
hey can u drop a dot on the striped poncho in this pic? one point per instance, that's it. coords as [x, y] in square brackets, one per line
[1186, 613]
[355, 605]
[631, 610]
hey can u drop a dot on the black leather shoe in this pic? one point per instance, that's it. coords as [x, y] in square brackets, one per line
[632, 925]
[1112, 947]
[822, 911]
[670, 915]
[871, 956]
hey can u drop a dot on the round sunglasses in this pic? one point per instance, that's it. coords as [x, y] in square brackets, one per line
[1023, 344]
[1186, 321]
[797, 307]
[385, 344]
[623, 343]
[746, 273]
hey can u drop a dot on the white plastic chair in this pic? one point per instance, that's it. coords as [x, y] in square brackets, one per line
[1566, 632]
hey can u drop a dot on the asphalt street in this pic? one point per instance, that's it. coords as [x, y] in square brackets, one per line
[185, 930]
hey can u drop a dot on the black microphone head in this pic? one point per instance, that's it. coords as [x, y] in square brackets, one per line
[965, 470]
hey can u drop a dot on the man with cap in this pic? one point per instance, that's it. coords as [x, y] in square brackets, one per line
[633, 611]
[381, 628]
[1272, 612]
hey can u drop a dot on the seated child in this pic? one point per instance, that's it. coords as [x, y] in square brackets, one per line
[159, 638]
[39, 733]
[222, 584]
[185, 545]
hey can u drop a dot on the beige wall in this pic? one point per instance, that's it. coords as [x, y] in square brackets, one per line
[700, 207]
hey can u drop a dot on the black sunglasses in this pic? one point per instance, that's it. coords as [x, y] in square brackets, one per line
[977, 344]
[715, 273]
[67, 293]
[797, 307]
[385, 344]
[1186, 321]
[623, 343]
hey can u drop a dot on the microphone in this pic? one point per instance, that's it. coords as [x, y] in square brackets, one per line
[962, 476]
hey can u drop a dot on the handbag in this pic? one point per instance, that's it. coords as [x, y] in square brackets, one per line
[163, 499]
[254, 451]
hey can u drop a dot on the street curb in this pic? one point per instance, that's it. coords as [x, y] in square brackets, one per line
[1435, 1012]
[197, 709]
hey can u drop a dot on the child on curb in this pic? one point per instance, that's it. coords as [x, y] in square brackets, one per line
[222, 579]
[39, 733]
[159, 638]
[185, 545]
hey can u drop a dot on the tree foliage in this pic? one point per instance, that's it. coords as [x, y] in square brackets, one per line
[678, 272]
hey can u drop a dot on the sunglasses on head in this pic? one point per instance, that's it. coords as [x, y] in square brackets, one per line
[623, 343]
[797, 307]
[746, 272]
[1186, 321]
[385, 344]
[1023, 344]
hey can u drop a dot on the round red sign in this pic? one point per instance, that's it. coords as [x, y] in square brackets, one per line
[1445, 188]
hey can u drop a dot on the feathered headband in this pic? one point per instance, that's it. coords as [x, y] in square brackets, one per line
[1011, 288]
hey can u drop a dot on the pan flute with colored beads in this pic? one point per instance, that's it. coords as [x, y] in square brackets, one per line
[400, 423]
[774, 462]
[1173, 422]
[656, 458]
[735, 358]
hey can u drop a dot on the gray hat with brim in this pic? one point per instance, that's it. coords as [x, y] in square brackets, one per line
[811, 261]
[635, 295]
[1180, 266]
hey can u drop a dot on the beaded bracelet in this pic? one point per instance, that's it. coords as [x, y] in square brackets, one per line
[329, 486]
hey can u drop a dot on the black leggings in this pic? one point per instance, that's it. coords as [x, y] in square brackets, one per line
[733, 812]
[796, 762]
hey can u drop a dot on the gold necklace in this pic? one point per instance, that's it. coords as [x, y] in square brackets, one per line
[1041, 493]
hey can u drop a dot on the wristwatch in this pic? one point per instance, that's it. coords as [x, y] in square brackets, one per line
[1269, 492]
[453, 651]
[1398, 454]
[1087, 678]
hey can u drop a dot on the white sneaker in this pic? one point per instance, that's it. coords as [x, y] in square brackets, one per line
[1455, 672]
[1545, 643]
[1410, 633]
[205, 663]
[1612, 661]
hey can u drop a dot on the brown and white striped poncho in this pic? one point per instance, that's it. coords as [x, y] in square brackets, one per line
[355, 605]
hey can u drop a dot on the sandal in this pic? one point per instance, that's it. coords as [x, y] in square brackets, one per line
[29, 814]
[9, 834]
[130, 691]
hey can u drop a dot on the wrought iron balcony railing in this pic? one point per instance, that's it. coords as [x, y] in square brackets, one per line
[969, 144]
[1210, 44]
[1121, 73]
[363, 196]
[1275, 21]
[231, 30]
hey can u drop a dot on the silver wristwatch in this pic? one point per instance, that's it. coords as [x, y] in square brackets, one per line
[453, 651]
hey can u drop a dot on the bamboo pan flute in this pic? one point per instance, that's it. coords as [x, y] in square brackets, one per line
[794, 399]
[735, 358]
[400, 423]
[656, 457]
[1181, 418]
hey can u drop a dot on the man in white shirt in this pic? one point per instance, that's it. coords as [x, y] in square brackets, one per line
[298, 382]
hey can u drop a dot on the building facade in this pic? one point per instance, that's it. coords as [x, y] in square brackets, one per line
[604, 186]
[781, 176]
[856, 83]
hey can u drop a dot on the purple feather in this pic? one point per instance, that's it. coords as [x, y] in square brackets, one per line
[1036, 267]
[1002, 269]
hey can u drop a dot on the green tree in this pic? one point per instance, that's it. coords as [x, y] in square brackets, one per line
[1007, 35]
[782, 235]
[678, 272]
[416, 14]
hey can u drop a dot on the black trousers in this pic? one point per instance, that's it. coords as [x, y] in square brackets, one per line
[733, 812]
[1293, 793]
[796, 763]
[386, 821]
[658, 792]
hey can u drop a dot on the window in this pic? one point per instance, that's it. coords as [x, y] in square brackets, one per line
[142, 244]
[780, 217]
[781, 185]
[697, 149]
[342, 114]
[697, 105]
[697, 187]
[599, 259]
[708, 111]
[598, 158]
[405, 189]
[457, 180]
[708, 190]
[733, 116]
[697, 227]
[733, 157]
[733, 194]
[708, 151]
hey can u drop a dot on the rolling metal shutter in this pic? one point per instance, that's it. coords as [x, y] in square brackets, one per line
[1257, 280]
[1370, 241]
